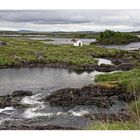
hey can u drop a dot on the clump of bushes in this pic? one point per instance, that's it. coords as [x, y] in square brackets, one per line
[109, 37]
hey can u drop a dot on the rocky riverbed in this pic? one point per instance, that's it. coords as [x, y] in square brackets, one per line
[97, 96]
[117, 64]
[66, 108]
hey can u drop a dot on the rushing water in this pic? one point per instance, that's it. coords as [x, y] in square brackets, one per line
[43, 81]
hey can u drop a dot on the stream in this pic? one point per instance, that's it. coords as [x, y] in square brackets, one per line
[43, 81]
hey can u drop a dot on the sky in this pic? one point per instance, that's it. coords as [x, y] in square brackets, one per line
[70, 20]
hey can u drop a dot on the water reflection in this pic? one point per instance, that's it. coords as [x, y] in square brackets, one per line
[42, 78]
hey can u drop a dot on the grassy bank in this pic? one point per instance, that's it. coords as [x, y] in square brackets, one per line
[132, 124]
[22, 50]
[129, 80]
[17, 51]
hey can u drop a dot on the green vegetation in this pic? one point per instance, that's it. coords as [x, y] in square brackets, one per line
[134, 107]
[115, 126]
[23, 50]
[115, 38]
[133, 124]
[130, 79]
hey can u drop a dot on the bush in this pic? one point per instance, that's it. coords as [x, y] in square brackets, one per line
[109, 37]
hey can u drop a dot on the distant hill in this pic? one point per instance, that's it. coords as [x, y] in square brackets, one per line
[26, 31]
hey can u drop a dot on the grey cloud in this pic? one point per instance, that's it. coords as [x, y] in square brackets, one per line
[128, 18]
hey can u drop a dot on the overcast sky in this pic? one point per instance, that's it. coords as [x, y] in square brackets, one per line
[70, 20]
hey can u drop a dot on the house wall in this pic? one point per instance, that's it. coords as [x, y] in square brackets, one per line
[78, 43]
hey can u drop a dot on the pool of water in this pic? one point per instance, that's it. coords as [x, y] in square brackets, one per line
[59, 41]
[37, 79]
[43, 81]
[130, 46]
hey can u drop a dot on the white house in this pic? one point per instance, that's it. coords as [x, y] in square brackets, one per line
[77, 42]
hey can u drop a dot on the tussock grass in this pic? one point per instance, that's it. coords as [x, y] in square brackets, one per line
[114, 126]
[128, 79]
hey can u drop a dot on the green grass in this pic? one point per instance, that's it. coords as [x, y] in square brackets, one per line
[26, 50]
[20, 50]
[109, 37]
[115, 126]
[133, 124]
[134, 107]
[129, 79]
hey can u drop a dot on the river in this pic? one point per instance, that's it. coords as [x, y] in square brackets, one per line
[43, 81]
[59, 41]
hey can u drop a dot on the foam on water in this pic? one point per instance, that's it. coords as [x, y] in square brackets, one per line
[94, 74]
[36, 106]
[78, 112]
[30, 113]
[6, 109]
[32, 100]
[104, 61]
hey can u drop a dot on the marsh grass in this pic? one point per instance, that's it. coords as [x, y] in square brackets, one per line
[20, 50]
[131, 79]
[128, 79]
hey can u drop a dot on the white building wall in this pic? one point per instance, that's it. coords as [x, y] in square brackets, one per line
[78, 43]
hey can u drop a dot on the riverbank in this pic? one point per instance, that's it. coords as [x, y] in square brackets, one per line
[30, 53]
[109, 91]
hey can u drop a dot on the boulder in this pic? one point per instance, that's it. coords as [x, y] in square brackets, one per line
[88, 95]
[2, 43]
[21, 93]
[110, 117]
[35, 127]
[14, 99]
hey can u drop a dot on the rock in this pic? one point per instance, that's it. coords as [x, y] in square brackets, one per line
[14, 99]
[127, 97]
[110, 117]
[99, 95]
[10, 126]
[88, 95]
[4, 101]
[2, 43]
[21, 93]
[118, 61]
[126, 66]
